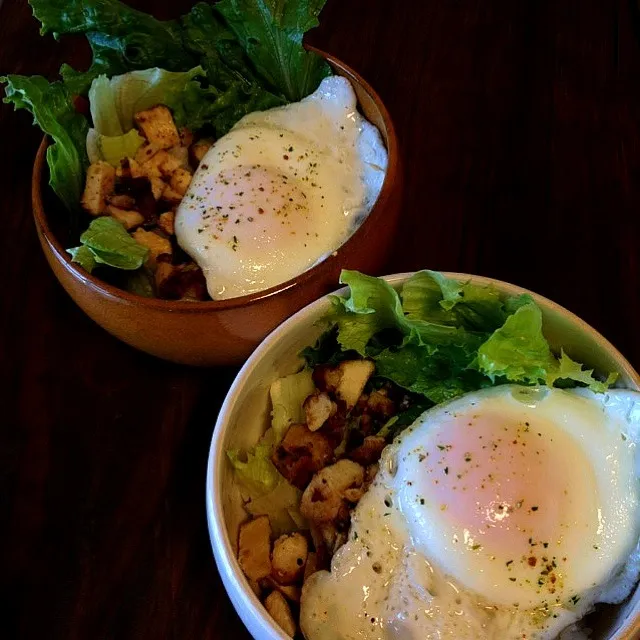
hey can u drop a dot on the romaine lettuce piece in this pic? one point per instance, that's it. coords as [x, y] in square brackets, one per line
[113, 148]
[84, 257]
[110, 244]
[265, 490]
[257, 473]
[287, 396]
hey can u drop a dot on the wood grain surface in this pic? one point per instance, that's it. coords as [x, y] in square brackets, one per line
[519, 124]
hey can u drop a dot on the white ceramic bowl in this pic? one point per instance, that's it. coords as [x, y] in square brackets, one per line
[244, 416]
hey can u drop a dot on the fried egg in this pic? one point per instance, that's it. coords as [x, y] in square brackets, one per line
[281, 191]
[506, 513]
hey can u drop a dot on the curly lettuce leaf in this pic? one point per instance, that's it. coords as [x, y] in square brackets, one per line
[121, 38]
[567, 369]
[430, 296]
[519, 352]
[442, 338]
[437, 376]
[372, 306]
[53, 111]
[110, 244]
[271, 33]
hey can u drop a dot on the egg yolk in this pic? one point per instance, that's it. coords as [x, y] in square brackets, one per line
[509, 502]
[253, 202]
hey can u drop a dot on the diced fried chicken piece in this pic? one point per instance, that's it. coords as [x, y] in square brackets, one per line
[354, 375]
[157, 187]
[199, 150]
[180, 181]
[381, 404]
[324, 500]
[369, 451]
[171, 196]
[289, 558]
[370, 475]
[146, 152]
[128, 218]
[323, 558]
[181, 154]
[311, 566]
[161, 166]
[318, 407]
[158, 127]
[129, 168]
[156, 244]
[300, 454]
[153, 167]
[164, 271]
[177, 282]
[327, 378]
[101, 178]
[334, 427]
[140, 189]
[333, 537]
[255, 587]
[290, 591]
[166, 222]
[254, 548]
[121, 201]
[186, 137]
[347, 380]
[279, 609]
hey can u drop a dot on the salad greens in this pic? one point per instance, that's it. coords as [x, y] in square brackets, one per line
[228, 59]
[440, 338]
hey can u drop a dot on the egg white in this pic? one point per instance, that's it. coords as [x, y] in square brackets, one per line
[419, 567]
[281, 191]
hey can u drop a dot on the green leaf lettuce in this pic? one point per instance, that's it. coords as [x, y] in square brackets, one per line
[110, 244]
[441, 338]
[265, 490]
[271, 33]
[53, 111]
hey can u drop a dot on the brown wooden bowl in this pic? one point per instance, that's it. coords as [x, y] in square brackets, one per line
[225, 332]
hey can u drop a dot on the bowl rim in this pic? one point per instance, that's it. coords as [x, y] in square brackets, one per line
[375, 217]
[246, 603]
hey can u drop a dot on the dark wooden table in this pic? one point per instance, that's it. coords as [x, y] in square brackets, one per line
[520, 128]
